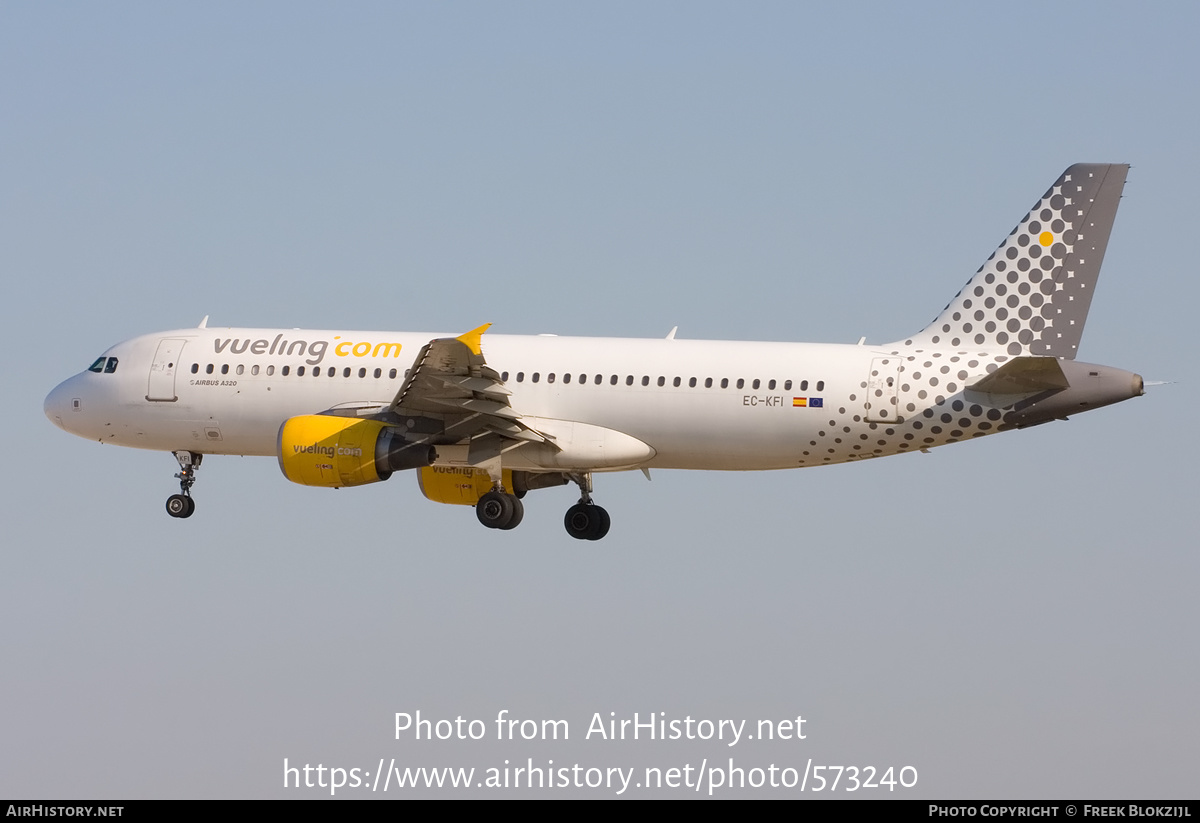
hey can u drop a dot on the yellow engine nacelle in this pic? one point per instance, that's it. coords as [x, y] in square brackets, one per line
[462, 486]
[325, 450]
[465, 485]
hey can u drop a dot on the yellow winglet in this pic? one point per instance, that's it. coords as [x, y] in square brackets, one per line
[471, 338]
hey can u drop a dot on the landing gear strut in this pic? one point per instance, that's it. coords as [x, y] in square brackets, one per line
[585, 520]
[182, 504]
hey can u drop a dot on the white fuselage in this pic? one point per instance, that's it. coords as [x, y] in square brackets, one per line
[698, 404]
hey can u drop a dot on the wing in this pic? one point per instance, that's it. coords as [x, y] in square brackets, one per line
[450, 381]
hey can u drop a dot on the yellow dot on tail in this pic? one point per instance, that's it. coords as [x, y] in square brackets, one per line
[1045, 238]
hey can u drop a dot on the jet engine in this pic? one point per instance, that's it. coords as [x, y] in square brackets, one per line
[330, 451]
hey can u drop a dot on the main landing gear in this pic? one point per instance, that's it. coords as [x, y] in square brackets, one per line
[585, 520]
[182, 504]
[499, 510]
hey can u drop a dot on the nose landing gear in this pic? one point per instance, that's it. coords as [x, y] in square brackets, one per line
[182, 504]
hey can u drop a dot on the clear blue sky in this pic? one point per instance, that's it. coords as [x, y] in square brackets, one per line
[1014, 617]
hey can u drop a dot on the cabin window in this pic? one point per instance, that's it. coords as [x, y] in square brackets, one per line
[362, 373]
[756, 383]
[820, 385]
[520, 377]
[771, 385]
[346, 372]
[208, 369]
[645, 380]
[550, 377]
[240, 369]
[270, 370]
[613, 380]
[254, 370]
[708, 382]
[803, 385]
[692, 383]
[629, 380]
[225, 369]
[392, 374]
[599, 379]
[300, 372]
[536, 377]
[195, 368]
[503, 377]
[676, 382]
[285, 370]
[566, 378]
[787, 385]
[741, 383]
[724, 382]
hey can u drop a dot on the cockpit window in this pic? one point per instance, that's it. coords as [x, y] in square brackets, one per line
[107, 365]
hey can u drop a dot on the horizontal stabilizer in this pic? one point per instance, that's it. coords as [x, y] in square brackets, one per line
[1024, 375]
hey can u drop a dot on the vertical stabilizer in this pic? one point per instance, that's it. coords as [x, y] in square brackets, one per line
[1032, 295]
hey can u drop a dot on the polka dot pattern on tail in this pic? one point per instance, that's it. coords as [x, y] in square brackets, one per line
[1033, 294]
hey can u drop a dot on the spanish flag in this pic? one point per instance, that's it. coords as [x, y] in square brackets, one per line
[799, 401]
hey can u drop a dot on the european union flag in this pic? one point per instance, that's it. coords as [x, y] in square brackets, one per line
[816, 403]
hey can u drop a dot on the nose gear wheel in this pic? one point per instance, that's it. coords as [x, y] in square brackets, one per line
[182, 505]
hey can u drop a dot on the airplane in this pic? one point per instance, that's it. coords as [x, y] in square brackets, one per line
[484, 419]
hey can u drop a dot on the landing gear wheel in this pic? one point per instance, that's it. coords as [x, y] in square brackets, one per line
[604, 522]
[180, 506]
[587, 521]
[518, 513]
[498, 510]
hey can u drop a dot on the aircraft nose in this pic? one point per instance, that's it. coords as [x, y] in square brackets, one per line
[59, 403]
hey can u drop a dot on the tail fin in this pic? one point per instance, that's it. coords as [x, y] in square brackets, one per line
[1032, 295]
